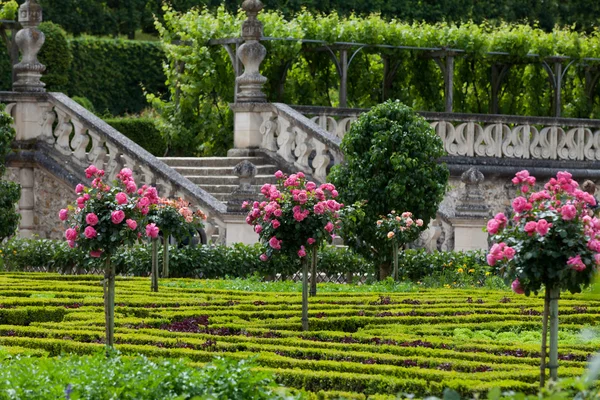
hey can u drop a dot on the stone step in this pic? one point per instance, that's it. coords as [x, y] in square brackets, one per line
[210, 161]
[203, 180]
[220, 171]
[226, 189]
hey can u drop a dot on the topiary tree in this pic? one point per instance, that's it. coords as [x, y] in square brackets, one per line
[56, 55]
[391, 161]
[10, 192]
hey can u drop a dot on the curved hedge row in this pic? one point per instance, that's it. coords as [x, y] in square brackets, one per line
[368, 343]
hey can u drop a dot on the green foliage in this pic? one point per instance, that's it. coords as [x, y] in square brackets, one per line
[85, 103]
[143, 131]
[86, 377]
[56, 56]
[390, 158]
[113, 74]
[10, 192]
[8, 9]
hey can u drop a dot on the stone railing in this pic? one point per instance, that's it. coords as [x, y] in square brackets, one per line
[500, 136]
[74, 138]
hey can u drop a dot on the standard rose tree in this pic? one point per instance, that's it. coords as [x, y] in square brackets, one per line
[296, 217]
[400, 230]
[549, 241]
[104, 218]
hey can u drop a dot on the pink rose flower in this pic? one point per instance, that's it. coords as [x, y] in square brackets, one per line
[278, 174]
[121, 198]
[520, 204]
[319, 208]
[91, 219]
[311, 241]
[329, 227]
[576, 263]
[131, 187]
[419, 222]
[131, 224]
[517, 288]
[501, 218]
[152, 231]
[491, 260]
[117, 217]
[275, 224]
[71, 243]
[79, 188]
[95, 253]
[509, 252]
[258, 229]
[493, 226]
[302, 197]
[530, 227]
[334, 193]
[143, 202]
[300, 175]
[597, 259]
[278, 213]
[525, 189]
[91, 171]
[264, 258]
[310, 186]
[90, 233]
[302, 252]
[63, 214]
[71, 234]
[274, 243]
[543, 227]
[568, 212]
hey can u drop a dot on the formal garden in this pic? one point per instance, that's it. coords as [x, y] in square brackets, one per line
[339, 298]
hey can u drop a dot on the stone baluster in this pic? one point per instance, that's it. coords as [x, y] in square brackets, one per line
[63, 132]
[285, 140]
[251, 54]
[148, 176]
[268, 131]
[302, 150]
[114, 163]
[80, 141]
[47, 122]
[97, 156]
[321, 160]
[29, 40]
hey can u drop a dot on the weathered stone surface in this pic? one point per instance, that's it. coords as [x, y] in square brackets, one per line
[29, 40]
[51, 195]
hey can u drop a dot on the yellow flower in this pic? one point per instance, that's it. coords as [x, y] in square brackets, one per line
[447, 286]
[471, 270]
[488, 273]
[460, 270]
[390, 235]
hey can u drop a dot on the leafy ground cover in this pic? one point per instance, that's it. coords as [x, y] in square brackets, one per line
[359, 344]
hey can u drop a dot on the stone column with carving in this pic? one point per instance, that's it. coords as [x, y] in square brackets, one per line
[251, 99]
[29, 40]
[471, 214]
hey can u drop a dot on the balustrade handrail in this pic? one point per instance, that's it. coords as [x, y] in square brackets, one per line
[314, 130]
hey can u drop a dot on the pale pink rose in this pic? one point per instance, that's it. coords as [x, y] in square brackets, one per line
[79, 188]
[275, 224]
[121, 198]
[131, 224]
[63, 214]
[311, 241]
[543, 227]
[117, 217]
[390, 235]
[71, 234]
[264, 258]
[90, 232]
[576, 263]
[278, 174]
[302, 252]
[419, 222]
[91, 219]
[409, 222]
[329, 227]
[530, 227]
[491, 260]
[274, 243]
[493, 226]
[568, 212]
[406, 214]
[95, 253]
[516, 287]
[152, 231]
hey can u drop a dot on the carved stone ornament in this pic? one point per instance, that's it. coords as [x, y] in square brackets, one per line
[29, 40]
[251, 54]
[473, 203]
[245, 171]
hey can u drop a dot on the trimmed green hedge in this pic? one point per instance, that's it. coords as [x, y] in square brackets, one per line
[143, 131]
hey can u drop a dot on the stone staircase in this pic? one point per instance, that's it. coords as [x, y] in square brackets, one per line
[215, 174]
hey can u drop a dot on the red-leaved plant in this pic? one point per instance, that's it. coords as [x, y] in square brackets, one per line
[551, 240]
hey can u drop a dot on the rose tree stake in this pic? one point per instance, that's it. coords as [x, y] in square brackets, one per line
[552, 240]
[296, 218]
[103, 219]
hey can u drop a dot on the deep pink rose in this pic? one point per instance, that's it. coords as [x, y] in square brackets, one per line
[63, 214]
[576, 263]
[95, 253]
[509, 252]
[568, 212]
[278, 174]
[79, 188]
[543, 227]
[274, 243]
[121, 198]
[310, 186]
[264, 258]
[275, 224]
[152, 231]
[520, 204]
[493, 226]
[90, 232]
[131, 224]
[71, 243]
[329, 227]
[319, 208]
[517, 288]
[302, 252]
[491, 260]
[131, 187]
[91, 171]
[278, 213]
[258, 229]
[117, 217]
[311, 241]
[71, 234]
[302, 197]
[143, 202]
[334, 193]
[91, 219]
[530, 227]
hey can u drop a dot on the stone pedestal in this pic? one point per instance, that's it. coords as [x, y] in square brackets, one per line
[238, 231]
[246, 126]
[469, 234]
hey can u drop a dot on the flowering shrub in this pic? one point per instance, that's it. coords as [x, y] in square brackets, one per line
[106, 217]
[176, 218]
[297, 216]
[550, 240]
[399, 228]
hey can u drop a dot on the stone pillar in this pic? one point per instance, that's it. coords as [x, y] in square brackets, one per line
[29, 40]
[247, 120]
[471, 214]
[27, 202]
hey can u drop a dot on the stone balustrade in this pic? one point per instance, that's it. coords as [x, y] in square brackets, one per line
[74, 138]
[500, 136]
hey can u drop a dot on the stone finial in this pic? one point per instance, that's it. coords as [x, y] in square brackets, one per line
[245, 171]
[29, 40]
[251, 54]
[473, 201]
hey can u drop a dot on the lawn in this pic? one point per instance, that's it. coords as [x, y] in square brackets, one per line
[410, 340]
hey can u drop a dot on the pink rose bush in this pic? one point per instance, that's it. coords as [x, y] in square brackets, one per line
[174, 217]
[402, 229]
[296, 215]
[549, 240]
[106, 216]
